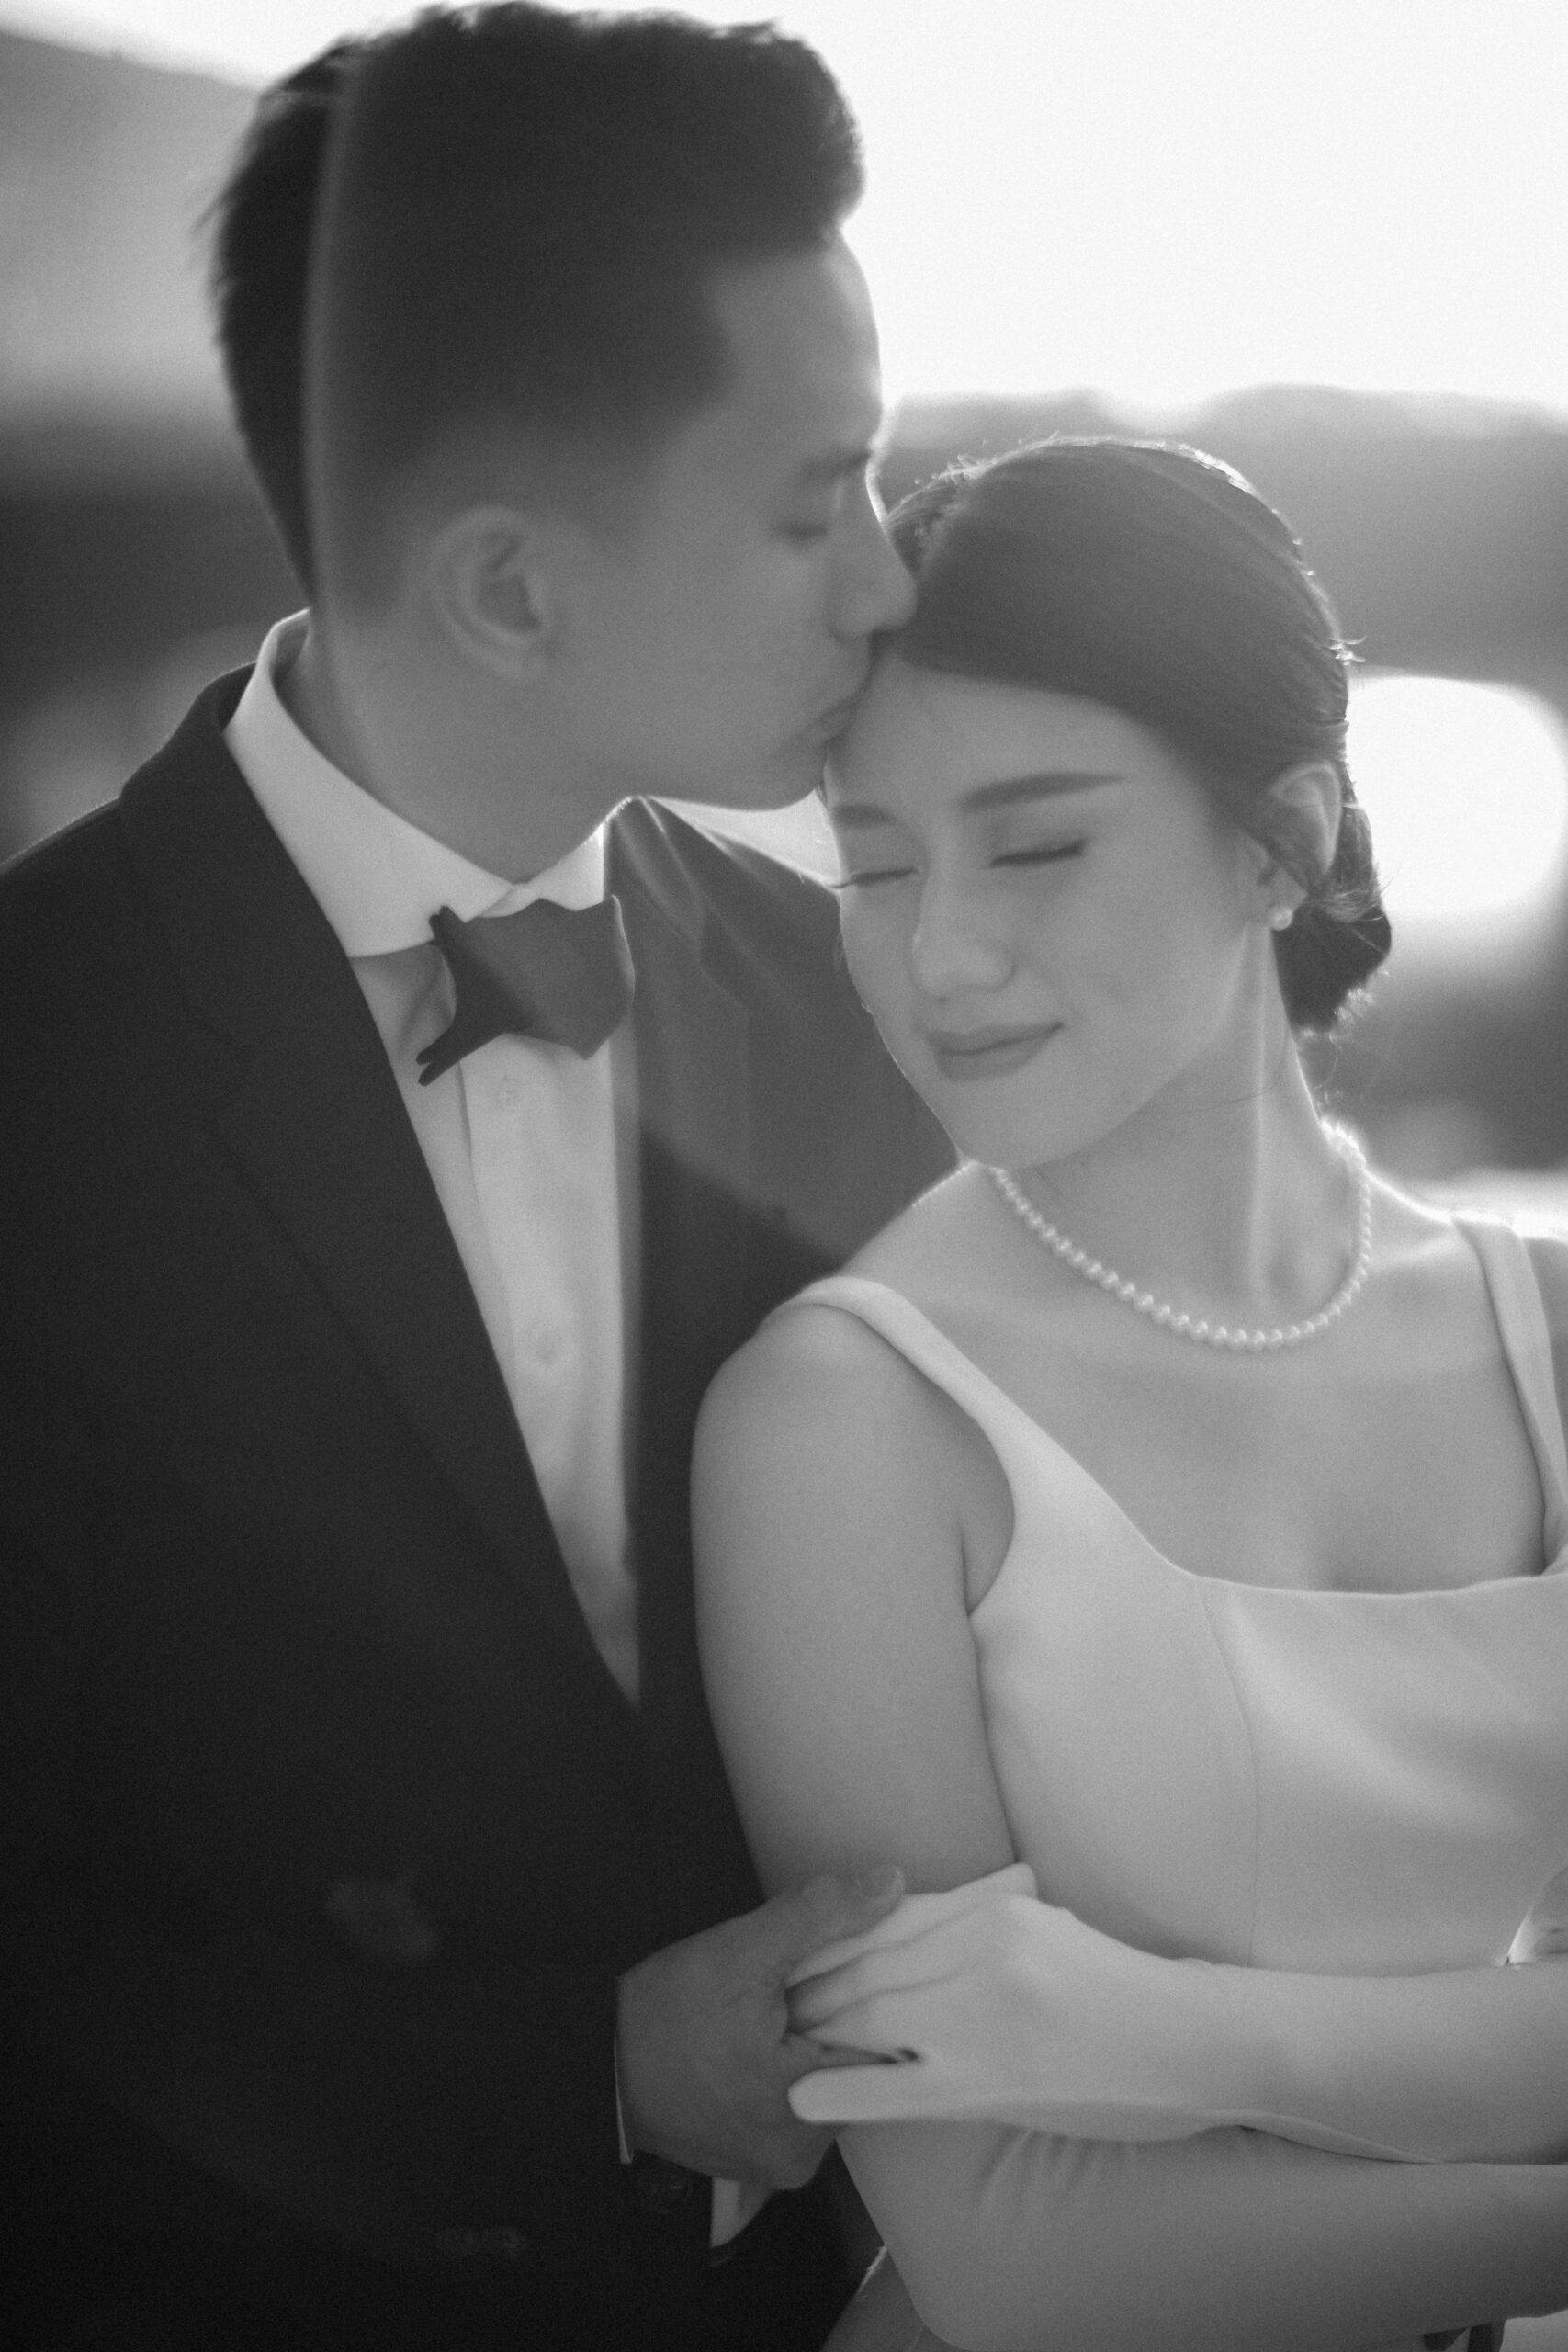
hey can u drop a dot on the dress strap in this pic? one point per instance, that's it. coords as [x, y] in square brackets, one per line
[915, 1336]
[1524, 1277]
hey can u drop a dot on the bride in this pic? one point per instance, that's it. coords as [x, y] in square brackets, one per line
[1160, 1532]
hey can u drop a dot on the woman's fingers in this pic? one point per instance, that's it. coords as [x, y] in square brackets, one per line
[838, 2095]
[916, 1916]
[905, 1973]
[823, 2000]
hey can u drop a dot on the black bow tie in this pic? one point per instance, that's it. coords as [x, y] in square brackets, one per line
[550, 972]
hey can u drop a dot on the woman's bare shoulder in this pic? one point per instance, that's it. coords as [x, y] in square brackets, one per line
[826, 1420]
[819, 1365]
[818, 1378]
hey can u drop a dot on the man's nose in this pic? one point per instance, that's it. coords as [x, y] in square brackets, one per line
[875, 591]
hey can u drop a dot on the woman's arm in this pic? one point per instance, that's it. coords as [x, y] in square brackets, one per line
[1232, 2242]
[1021, 2014]
[835, 1496]
[1463, 2063]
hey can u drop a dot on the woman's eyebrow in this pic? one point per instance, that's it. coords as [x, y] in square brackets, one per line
[1014, 791]
[1009, 792]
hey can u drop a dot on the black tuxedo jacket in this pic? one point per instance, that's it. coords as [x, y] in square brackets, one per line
[327, 1831]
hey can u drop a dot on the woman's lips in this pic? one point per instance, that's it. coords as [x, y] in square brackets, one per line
[986, 1052]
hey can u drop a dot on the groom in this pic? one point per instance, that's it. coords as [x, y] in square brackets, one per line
[403, 1121]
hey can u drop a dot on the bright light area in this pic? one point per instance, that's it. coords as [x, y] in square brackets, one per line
[1466, 789]
[1160, 201]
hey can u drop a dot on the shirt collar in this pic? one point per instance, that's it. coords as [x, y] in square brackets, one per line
[377, 878]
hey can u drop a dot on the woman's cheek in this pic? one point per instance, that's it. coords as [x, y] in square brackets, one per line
[877, 965]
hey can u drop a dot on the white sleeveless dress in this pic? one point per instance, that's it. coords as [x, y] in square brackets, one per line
[1359, 1783]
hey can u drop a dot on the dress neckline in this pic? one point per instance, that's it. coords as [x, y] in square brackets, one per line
[1522, 1327]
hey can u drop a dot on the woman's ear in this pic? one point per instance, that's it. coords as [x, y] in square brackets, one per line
[488, 586]
[1309, 802]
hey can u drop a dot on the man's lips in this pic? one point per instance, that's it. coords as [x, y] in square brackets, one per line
[987, 1052]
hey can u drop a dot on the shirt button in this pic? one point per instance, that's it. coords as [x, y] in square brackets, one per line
[544, 1343]
[506, 1095]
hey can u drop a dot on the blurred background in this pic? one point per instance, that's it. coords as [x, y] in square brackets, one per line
[1326, 242]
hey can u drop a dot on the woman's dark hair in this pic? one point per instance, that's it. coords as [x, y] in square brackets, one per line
[1155, 580]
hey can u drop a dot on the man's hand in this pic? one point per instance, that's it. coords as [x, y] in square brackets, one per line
[704, 2040]
[1009, 2010]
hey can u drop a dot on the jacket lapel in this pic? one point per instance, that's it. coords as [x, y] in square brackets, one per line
[697, 1244]
[310, 1113]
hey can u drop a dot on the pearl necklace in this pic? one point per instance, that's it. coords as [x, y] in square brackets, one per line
[1188, 1326]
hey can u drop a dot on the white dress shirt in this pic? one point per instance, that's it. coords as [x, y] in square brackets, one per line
[520, 1137]
[521, 1140]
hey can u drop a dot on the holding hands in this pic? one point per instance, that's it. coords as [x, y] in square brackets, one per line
[997, 2006]
[987, 2005]
[706, 2045]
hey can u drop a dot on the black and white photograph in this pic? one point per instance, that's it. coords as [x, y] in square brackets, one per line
[783, 1176]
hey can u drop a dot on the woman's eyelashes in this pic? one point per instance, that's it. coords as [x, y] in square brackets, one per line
[1034, 854]
[870, 876]
[1041, 853]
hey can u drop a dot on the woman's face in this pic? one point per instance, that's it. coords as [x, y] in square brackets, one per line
[1051, 925]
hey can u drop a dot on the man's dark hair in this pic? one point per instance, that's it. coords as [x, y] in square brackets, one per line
[528, 209]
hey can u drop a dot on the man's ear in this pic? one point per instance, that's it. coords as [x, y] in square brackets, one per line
[1310, 801]
[489, 586]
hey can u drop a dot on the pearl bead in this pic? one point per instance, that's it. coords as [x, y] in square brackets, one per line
[1162, 1311]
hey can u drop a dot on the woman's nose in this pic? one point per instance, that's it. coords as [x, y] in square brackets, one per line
[953, 947]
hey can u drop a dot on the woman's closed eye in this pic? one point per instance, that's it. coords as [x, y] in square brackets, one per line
[1031, 855]
[869, 876]
[1041, 853]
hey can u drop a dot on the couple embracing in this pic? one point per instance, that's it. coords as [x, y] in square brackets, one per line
[461, 1788]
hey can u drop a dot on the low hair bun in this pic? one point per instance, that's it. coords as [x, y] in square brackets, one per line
[1341, 932]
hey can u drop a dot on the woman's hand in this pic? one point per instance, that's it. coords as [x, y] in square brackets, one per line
[996, 2004]
[999, 2007]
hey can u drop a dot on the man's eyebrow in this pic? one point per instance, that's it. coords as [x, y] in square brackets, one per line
[1011, 792]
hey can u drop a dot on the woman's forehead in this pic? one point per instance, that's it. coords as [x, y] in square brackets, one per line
[927, 732]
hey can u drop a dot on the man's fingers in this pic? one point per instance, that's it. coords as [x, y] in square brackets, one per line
[818, 2001]
[901, 1972]
[855, 2042]
[823, 1911]
[864, 2025]
[920, 1917]
[815, 2001]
